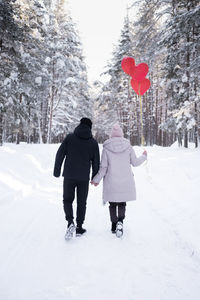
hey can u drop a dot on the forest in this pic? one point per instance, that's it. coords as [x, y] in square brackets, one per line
[44, 88]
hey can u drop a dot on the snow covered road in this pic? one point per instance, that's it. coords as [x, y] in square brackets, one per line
[158, 257]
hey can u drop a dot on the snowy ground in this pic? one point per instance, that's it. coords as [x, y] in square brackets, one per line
[158, 257]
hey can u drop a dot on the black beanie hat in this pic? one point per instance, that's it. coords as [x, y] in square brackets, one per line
[86, 121]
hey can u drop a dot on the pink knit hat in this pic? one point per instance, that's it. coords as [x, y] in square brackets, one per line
[116, 131]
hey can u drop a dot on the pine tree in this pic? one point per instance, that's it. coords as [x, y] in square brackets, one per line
[180, 35]
[44, 86]
[116, 98]
[11, 34]
[72, 97]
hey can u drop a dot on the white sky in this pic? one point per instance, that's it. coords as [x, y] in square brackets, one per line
[99, 23]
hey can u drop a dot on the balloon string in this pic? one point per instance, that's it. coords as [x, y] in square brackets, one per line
[142, 136]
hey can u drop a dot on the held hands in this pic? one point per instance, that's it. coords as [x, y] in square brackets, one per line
[94, 183]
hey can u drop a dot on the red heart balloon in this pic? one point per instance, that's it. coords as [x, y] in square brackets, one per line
[140, 71]
[140, 87]
[128, 65]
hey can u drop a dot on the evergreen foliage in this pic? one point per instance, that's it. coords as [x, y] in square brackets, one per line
[43, 74]
[164, 35]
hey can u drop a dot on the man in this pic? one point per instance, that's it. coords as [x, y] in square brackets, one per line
[80, 151]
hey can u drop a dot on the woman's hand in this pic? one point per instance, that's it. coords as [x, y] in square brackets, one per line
[145, 152]
[94, 183]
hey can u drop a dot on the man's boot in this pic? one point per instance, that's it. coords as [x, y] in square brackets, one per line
[70, 231]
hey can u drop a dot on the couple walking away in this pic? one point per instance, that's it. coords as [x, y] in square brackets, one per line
[81, 151]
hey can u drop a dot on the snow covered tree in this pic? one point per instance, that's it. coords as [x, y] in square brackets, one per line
[116, 98]
[104, 114]
[44, 84]
[73, 97]
[11, 34]
[144, 48]
[166, 35]
[180, 38]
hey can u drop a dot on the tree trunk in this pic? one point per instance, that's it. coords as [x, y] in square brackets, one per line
[50, 119]
[156, 118]
[195, 127]
[53, 88]
[186, 138]
[1, 128]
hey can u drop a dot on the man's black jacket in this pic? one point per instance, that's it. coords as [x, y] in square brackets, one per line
[80, 151]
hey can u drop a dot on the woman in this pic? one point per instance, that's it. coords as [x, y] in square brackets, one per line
[118, 180]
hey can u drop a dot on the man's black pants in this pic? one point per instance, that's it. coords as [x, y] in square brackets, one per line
[69, 187]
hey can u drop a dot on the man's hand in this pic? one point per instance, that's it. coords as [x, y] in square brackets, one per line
[94, 183]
